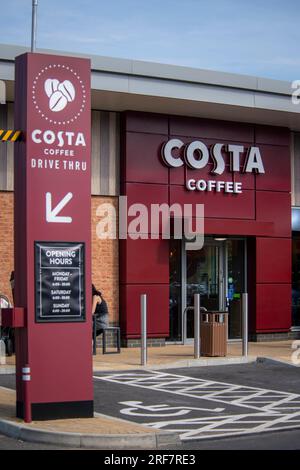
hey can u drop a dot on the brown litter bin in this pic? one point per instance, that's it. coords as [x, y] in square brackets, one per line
[213, 332]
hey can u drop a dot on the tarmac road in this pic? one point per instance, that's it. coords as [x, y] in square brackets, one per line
[223, 403]
[205, 402]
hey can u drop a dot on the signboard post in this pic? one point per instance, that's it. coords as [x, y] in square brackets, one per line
[52, 236]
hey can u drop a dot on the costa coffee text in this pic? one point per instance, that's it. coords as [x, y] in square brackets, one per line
[217, 186]
[60, 138]
[196, 155]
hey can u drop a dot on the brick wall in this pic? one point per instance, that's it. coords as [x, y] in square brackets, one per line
[105, 267]
[6, 241]
[105, 261]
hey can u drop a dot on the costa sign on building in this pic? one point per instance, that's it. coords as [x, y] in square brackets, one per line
[52, 234]
[196, 155]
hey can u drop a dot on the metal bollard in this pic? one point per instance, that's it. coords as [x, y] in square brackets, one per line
[2, 353]
[143, 329]
[197, 326]
[26, 378]
[245, 323]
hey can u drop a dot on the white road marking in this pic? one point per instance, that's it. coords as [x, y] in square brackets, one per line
[160, 410]
[203, 390]
[270, 409]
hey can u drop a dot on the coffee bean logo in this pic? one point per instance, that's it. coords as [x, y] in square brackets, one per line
[63, 91]
[67, 90]
[51, 86]
[59, 94]
[57, 101]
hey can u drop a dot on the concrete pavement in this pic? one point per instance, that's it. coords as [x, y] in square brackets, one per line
[182, 356]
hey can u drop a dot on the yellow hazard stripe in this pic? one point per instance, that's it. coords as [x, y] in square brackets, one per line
[15, 136]
[6, 135]
[9, 135]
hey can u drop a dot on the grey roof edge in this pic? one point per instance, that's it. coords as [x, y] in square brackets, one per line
[164, 71]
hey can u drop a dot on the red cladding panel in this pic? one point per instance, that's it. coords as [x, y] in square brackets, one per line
[273, 260]
[179, 176]
[237, 227]
[206, 174]
[146, 261]
[247, 180]
[142, 122]
[251, 283]
[275, 207]
[143, 159]
[13, 317]
[272, 135]
[276, 160]
[234, 206]
[157, 310]
[206, 128]
[146, 194]
[273, 307]
[62, 363]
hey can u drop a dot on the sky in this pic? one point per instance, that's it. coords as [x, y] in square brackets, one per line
[252, 37]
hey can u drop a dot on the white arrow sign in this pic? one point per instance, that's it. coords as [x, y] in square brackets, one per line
[51, 214]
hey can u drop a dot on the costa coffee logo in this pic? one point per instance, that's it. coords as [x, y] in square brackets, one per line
[58, 94]
[196, 155]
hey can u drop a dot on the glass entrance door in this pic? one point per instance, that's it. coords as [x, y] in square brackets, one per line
[217, 273]
[204, 276]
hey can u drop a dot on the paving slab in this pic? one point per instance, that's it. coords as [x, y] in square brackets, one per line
[183, 356]
[177, 355]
